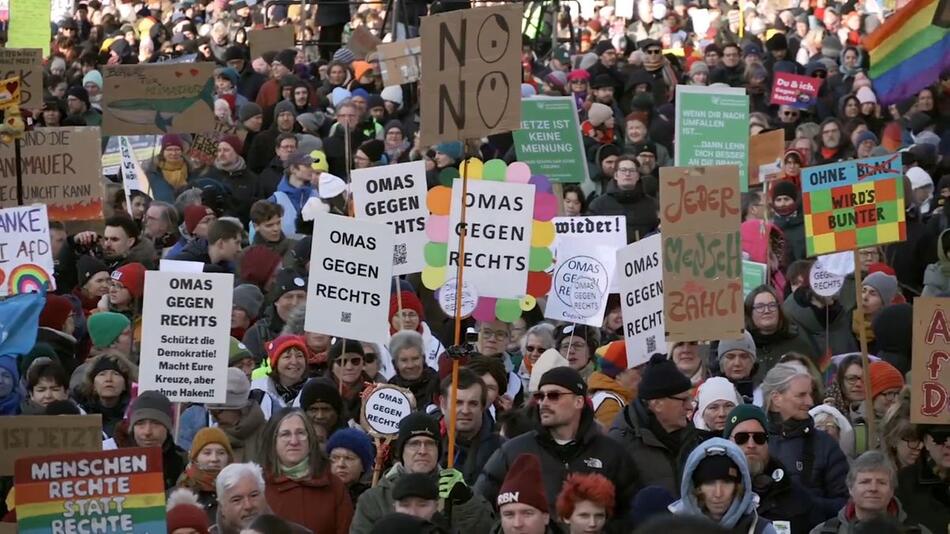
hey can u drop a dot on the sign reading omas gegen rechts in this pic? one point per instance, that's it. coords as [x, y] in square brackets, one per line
[186, 334]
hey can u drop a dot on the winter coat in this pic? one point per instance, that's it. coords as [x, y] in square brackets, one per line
[769, 348]
[846, 522]
[268, 327]
[608, 397]
[271, 175]
[245, 437]
[912, 257]
[925, 496]
[811, 321]
[741, 516]
[813, 459]
[425, 388]
[292, 199]
[641, 211]
[936, 283]
[63, 344]
[781, 499]
[475, 515]
[320, 503]
[793, 226]
[245, 190]
[591, 452]
[197, 251]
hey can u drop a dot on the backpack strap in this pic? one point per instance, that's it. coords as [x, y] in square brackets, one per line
[602, 395]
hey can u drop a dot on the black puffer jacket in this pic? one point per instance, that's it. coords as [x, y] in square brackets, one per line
[925, 496]
[640, 210]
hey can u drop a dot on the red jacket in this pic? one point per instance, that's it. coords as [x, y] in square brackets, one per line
[321, 504]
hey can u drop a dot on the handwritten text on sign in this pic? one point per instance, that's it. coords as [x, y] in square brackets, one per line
[26, 258]
[930, 370]
[702, 252]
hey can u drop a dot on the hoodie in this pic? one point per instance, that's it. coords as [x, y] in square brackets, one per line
[292, 199]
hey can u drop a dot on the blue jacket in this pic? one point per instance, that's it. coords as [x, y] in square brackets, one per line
[292, 199]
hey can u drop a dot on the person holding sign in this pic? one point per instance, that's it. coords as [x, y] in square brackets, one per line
[347, 362]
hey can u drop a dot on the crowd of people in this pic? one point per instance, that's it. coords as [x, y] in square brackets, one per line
[553, 430]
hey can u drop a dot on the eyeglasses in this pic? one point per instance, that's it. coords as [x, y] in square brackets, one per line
[534, 348]
[913, 444]
[762, 308]
[497, 334]
[653, 51]
[576, 346]
[627, 170]
[830, 131]
[355, 361]
[852, 379]
[741, 438]
[552, 396]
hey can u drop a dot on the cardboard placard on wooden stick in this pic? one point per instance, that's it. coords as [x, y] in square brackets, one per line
[765, 149]
[472, 75]
[33, 435]
[270, 40]
[27, 63]
[930, 368]
[362, 42]
[400, 62]
[157, 99]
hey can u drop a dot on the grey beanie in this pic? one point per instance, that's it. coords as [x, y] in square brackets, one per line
[311, 121]
[249, 110]
[249, 298]
[884, 284]
[284, 106]
[152, 405]
[744, 343]
[344, 55]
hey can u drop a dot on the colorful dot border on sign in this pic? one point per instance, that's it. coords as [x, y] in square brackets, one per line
[439, 200]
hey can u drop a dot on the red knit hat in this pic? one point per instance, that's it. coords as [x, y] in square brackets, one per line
[614, 360]
[56, 311]
[277, 347]
[258, 263]
[194, 214]
[235, 143]
[409, 302]
[132, 276]
[884, 376]
[184, 511]
[523, 484]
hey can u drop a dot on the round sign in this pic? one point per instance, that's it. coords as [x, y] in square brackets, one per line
[446, 297]
[580, 283]
[384, 408]
[823, 282]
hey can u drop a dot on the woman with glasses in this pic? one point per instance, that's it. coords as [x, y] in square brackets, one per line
[535, 341]
[407, 313]
[901, 439]
[299, 484]
[578, 82]
[772, 332]
[347, 366]
[287, 358]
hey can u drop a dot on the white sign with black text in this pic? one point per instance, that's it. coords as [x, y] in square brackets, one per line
[641, 298]
[581, 281]
[607, 233]
[384, 408]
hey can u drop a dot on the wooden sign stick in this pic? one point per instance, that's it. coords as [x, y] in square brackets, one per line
[865, 361]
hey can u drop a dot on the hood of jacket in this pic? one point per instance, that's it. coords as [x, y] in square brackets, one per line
[598, 381]
[845, 430]
[739, 508]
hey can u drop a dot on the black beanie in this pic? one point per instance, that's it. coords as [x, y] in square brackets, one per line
[662, 379]
[419, 485]
[784, 188]
[316, 390]
[234, 52]
[414, 425]
[397, 523]
[62, 407]
[373, 149]
[80, 93]
[337, 350]
[286, 58]
[88, 266]
[777, 42]
[715, 467]
[566, 377]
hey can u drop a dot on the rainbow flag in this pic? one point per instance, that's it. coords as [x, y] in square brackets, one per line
[908, 52]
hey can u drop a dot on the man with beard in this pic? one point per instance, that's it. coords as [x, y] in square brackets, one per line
[119, 243]
[832, 143]
[781, 500]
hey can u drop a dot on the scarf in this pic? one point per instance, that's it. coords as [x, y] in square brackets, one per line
[175, 173]
[238, 165]
[395, 152]
[856, 327]
[296, 472]
[250, 422]
[199, 479]
[288, 393]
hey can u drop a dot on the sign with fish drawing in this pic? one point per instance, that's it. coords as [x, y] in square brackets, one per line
[157, 99]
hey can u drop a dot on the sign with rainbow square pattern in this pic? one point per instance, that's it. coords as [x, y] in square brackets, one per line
[853, 204]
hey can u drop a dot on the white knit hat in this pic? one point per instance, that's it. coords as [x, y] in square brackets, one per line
[392, 93]
[713, 389]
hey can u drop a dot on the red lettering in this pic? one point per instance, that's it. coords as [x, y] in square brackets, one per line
[700, 199]
[933, 366]
[695, 306]
[935, 399]
[938, 327]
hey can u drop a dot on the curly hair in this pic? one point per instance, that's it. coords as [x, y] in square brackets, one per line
[585, 487]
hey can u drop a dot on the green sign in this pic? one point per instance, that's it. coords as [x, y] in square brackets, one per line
[28, 25]
[712, 128]
[753, 275]
[549, 140]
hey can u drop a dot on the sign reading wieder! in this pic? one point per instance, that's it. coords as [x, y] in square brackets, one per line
[186, 335]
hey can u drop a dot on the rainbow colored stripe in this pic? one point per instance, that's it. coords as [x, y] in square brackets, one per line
[28, 278]
[908, 52]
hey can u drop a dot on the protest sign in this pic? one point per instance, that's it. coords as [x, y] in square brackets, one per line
[145, 147]
[29, 435]
[362, 42]
[157, 99]
[549, 139]
[180, 266]
[27, 63]
[795, 90]
[204, 146]
[396, 195]
[60, 169]
[446, 297]
[110, 491]
[641, 298]
[473, 77]
[581, 282]
[702, 253]
[270, 40]
[26, 258]
[497, 251]
[186, 335]
[930, 369]
[853, 204]
[765, 155]
[351, 270]
[712, 128]
[823, 282]
[383, 408]
[754, 274]
[27, 27]
[10, 94]
[400, 62]
[133, 177]
[624, 8]
[603, 232]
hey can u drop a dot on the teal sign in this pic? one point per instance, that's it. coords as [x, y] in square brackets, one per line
[712, 128]
[753, 275]
[549, 140]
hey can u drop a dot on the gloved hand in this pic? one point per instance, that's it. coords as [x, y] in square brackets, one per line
[452, 486]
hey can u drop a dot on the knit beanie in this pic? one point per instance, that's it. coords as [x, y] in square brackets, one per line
[417, 424]
[311, 121]
[344, 55]
[106, 363]
[399, 523]
[715, 467]
[866, 135]
[287, 281]
[355, 441]
[744, 343]
[662, 379]
[598, 114]
[523, 484]
[80, 93]
[184, 511]
[784, 188]
[421, 485]
[249, 298]
[614, 360]
[193, 216]
[392, 93]
[238, 351]
[409, 302]
[344, 346]
[884, 284]
[88, 266]
[277, 347]
[452, 149]
[744, 412]
[339, 95]
[207, 436]
[549, 359]
[316, 390]
[152, 405]
[286, 58]
[93, 77]
[238, 390]
[257, 265]
[284, 106]
[105, 327]
[893, 330]
[249, 110]
[55, 312]
[866, 95]
[132, 277]
[235, 142]
[566, 377]
[714, 389]
[650, 501]
[374, 149]
[884, 376]
[919, 177]
[172, 140]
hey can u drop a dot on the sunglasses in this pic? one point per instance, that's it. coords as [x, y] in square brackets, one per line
[741, 438]
[653, 51]
[533, 348]
[552, 396]
[790, 113]
[342, 362]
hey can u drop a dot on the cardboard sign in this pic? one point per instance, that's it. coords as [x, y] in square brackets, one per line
[702, 253]
[29, 435]
[581, 282]
[133, 177]
[930, 368]
[110, 491]
[383, 408]
[186, 335]
[27, 27]
[145, 147]
[26, 257]
[608, 233]
[853, 204]
[765, 152]
[712, 128]
[641, 298]
[754, 274]
[823, 282]
[270, 40]
[396, 195]
[60, 169]
[795, 90]
[27, 63]
[362, 42]
[204, 146]
[400, 62]
[157, 99]
[498, 216]
[473, 73]
[549, 139]
[351, 272]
